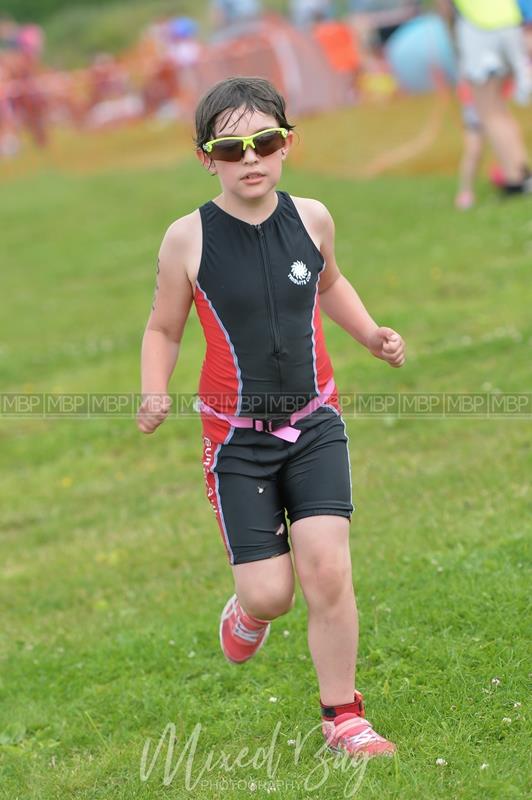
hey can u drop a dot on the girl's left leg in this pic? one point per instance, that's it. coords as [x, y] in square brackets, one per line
[323, 564]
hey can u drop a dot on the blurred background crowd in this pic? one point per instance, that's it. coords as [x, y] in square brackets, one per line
[107, 64]
[320, 58]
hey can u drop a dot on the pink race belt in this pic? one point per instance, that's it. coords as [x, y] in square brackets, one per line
[281, 428]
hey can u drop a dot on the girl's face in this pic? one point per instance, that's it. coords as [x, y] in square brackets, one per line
[253, 176]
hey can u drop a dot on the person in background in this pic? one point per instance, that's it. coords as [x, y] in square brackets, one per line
[231, 12]
[9, 140]
[106, 79]
[304, 13]
[473, 148]
[339, 42]
[377, 20]
[491, 46]
[28, 100]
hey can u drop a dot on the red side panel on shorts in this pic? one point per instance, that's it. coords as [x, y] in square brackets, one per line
[210, 454]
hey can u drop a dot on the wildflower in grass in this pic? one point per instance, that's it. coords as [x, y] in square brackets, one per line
[517, 705]
[506, 720]
[441, 762]
[291, 742]
[286, 633]
[495, 682]
[484, 766]
[273, 699]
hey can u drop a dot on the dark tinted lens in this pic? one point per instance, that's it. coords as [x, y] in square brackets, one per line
[226, 151]
[268, 143]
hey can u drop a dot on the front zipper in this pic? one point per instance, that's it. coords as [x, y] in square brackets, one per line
[272, 311]
[274, 324]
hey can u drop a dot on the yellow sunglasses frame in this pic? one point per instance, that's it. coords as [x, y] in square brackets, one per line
[247, 141]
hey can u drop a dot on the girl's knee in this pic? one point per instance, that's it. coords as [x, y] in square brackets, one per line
[327, 581]
[267, 604]
[266, 589]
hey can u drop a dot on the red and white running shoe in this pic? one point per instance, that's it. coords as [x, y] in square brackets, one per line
[241, 635]
[352, 733]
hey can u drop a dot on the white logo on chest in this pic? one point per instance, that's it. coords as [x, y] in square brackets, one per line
[299, 274]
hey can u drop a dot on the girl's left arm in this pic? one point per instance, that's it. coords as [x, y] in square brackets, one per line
[342, 304]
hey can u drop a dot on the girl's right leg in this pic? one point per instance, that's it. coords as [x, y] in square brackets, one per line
[265, 588]
[264, 591]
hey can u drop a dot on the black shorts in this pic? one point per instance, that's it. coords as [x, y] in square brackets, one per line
[254, 477]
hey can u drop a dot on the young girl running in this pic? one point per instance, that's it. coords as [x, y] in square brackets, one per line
[258, 265]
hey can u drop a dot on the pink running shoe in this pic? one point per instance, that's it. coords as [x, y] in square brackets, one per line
[352, 733]
[241, 635]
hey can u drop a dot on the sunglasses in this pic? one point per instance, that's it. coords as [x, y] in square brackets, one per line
[232, 148]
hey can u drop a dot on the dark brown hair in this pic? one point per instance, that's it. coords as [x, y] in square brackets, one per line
[249, 93]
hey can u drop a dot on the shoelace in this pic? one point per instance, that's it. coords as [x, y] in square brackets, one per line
[365, 736]
[245, 633]
[240, 629]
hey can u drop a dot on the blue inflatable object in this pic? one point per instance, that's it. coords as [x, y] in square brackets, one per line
[526, 10]
[419, 49]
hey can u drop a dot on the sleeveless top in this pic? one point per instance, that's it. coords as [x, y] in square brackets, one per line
[257, 301]
[490, 14]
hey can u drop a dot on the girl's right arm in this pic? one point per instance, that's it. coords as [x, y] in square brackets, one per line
[164, 330]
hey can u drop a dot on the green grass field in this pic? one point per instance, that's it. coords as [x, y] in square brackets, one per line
[113, 573]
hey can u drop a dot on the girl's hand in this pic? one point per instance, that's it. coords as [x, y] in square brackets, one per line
[386, 343]
[153, 411]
